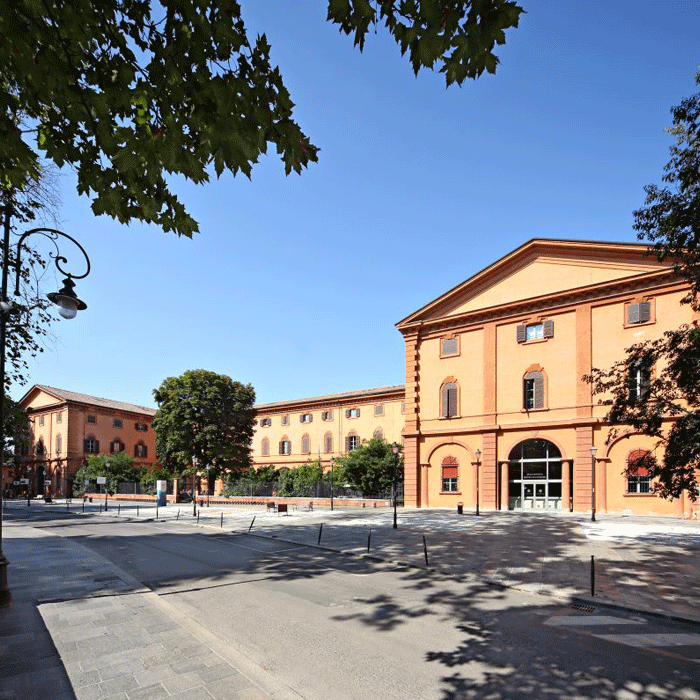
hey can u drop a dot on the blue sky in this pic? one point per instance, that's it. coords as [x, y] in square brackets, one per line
[295, 283]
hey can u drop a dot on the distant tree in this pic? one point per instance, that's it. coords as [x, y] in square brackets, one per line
[131, 92]
[15, 430]
[370, 468]
[121, 470]
[666, 403]
[204, 422]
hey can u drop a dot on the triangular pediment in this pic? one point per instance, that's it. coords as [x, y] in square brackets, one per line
[541, 268]
[38, 397]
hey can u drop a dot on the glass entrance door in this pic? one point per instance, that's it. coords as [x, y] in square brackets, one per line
[535, 495]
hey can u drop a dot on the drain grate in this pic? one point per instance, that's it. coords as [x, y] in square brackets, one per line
[582, 607]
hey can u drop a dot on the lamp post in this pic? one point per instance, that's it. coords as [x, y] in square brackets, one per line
[477, 454]
[68, 305]
[29, 485]
[395, 450]
[332, 461]
[107, 466]
[593, 451]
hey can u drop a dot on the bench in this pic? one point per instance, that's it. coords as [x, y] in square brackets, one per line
[281, 507]
[271, 506]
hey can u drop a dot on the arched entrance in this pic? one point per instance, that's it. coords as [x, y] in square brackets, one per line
[534, 476]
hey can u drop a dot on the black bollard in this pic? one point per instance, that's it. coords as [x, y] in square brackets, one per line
[320, 532]
[83, 505]
[178, 514]
[369, 539]
[251, 524]
[592, 576]
[119, 508]
[197, 517]
[222, 518]
[137, 511]
[425, 551]
[156, 511]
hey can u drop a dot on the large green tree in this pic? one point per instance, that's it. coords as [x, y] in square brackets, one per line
[128, 92]
[204, 420]
[370, 468]
[121, 469]
[670, 222]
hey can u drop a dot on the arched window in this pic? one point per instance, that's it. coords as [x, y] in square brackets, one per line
[352, 442]
[638, 479]
[638, 379]
[59, 443]
[40, 447]
[305, 444]
[265, 447]
[91, 445]
[450, 474]
[328, 443]
[533, 390]
[449, 399]
[116, 445]
[379, 433]
[140, 450]
[285, 446]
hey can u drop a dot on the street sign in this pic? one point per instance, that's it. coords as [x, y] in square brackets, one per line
[101, 480]
[24, 482]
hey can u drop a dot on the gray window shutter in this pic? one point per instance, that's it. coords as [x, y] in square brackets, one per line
[452, 405]
[633, 313]
[281, 447]
[521, 333]
[347, 444]
[97, 447]
[539, 389]
[644, 312]
[445, 401]
[548, 328]
[347, 413]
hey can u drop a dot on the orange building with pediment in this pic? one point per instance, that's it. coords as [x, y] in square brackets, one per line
[67, 427]
[494, 380]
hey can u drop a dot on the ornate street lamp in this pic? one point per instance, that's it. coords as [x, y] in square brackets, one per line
[68, 303]
[593, 451]
[477, 454]
[395, 450]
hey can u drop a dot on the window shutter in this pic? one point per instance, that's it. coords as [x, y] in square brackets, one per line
[644, 312]
[85, 446]
[445, 402]
[521, 333]
[452, 400]
[347, 444]
[111, 447]
[97, 447]
[449, 472]
[633, 313]
[347, 413]
[539, 389]
[548, 328]
[281, 447]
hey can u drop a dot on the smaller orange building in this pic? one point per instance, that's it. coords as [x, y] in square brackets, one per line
[67, 427]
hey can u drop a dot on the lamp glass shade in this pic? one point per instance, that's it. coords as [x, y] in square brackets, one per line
[594, 449]
[395, 448]
[67, 307]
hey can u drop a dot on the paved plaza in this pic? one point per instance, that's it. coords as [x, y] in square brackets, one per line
[81, 627]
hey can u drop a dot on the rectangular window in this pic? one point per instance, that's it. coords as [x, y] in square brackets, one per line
[327, 443]
[353, 442]
[265, 448]
[449, 478]
[639, 313]
[142, 427]
[534, 331]
[306, 418]
[91, 446]
[266, 422]
[59, 444]
[116, 446]
[379, 409]
[327, 415]
[638, 381]
[638, 484]
[59, 417]
[91, 418]
[352, 413]
[285, 447]
[285, 420]
[117, 423]
[41, 420]
[305, 445]
[140, 450]
[449, 347]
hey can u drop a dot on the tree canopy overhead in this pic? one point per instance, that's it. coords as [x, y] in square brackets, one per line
[128, 92]
[205, 421]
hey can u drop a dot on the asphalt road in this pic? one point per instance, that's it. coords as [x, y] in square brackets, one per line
[341, 627]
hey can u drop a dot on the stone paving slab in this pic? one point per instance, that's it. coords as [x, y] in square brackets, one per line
[68, 636]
